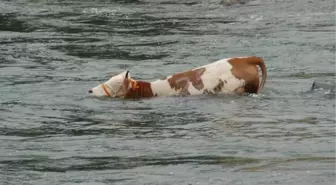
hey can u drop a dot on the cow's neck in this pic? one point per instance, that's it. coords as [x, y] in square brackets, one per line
[140, 89]
[150, 89]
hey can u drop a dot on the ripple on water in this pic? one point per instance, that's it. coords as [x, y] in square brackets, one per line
[52, 132]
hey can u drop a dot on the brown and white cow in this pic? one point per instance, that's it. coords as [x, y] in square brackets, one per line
[231, 75]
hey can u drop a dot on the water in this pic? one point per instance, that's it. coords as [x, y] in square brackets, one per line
[52, 132]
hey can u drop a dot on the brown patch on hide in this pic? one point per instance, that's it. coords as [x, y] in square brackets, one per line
[218, 88]
[184, 91]
[142, 89]
[246, 69]
[180, 81]
[207, 91]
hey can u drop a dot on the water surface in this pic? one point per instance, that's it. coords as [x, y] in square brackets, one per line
[52, 132]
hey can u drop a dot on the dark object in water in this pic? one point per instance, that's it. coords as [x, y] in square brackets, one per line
[324, 86]
[231, 2]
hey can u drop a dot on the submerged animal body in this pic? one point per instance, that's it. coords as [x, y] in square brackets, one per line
[226, 76]
[326, 86]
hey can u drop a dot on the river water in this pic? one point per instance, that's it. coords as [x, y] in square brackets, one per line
[52, 132]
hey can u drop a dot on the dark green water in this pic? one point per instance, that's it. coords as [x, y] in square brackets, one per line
[52, 132]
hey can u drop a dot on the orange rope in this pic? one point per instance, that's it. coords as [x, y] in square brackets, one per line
[105, 90]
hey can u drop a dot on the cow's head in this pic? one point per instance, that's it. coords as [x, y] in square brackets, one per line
[115, 87]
